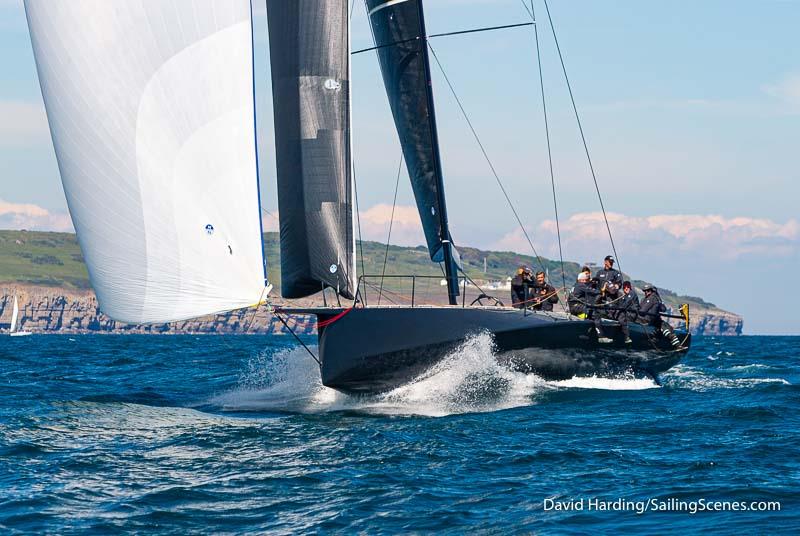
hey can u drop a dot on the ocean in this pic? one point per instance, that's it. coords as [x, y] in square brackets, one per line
[234, 435]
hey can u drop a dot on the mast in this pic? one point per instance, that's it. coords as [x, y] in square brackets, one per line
[450, 268]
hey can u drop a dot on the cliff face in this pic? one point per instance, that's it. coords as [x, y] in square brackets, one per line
[716, 322]
[51, 310]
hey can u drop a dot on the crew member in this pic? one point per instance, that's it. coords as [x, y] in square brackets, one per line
[544, 295]
[588, 271]
[627, 309]
[609, 280]
[519, 286]
[581, 300]
[650, 313]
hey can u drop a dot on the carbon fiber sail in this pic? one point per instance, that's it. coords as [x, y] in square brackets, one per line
[399, 30]
[310, 62]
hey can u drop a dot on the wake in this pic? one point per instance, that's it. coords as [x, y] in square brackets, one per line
[468, 380]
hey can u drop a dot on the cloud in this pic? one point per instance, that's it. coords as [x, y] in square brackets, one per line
[32, 217]
[689, 235]
[406, 229]
[788, 91]
[23, 123]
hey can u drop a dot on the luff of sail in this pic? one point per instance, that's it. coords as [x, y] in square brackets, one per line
[399, 31]
[310, 63]
[151, 111]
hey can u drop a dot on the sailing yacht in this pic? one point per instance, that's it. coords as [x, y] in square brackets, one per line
[152, 114]
[13, 331]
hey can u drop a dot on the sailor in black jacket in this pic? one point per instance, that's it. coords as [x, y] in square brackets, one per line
[543, 295]
[581, 296]
[581, 299]
[609, 280]
[649, 311]
[627, 309]
[651, 306]
[519, 286]
[629, 303]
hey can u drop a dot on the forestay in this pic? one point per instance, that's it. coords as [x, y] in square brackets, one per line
[310, 62]
[151, 111]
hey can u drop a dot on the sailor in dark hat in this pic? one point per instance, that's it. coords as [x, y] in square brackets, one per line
[650, 313]
[609, 280]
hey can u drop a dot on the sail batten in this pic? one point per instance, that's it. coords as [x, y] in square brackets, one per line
[310, 63]
[151, 111]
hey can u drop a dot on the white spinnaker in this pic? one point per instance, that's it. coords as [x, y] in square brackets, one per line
[150, 105]
[14, 315]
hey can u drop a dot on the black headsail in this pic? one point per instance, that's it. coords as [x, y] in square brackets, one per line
[399, 30]
[310, 62]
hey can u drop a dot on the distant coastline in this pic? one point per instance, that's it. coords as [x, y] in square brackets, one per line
[47, 274]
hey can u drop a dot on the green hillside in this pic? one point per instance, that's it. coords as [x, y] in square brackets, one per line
[54, 259]
[47, 259]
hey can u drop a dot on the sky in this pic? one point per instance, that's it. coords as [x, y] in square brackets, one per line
[691, 111]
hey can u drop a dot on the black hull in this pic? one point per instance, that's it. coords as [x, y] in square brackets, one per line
[370, 350]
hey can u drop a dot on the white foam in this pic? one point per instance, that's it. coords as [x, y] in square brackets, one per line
[607, 384]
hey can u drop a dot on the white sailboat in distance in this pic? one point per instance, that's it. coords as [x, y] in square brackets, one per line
[14, 316]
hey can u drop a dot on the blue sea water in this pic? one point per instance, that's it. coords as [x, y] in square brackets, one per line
[234, 434]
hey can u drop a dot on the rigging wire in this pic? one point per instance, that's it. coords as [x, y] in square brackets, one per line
[486, 156]
[391, 224]
[529, 9]
[583, 136]
[297, 338]
[358, 220]
[549, 145]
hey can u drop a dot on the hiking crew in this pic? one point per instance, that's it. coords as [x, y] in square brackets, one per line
[543, 295]
[649, 313]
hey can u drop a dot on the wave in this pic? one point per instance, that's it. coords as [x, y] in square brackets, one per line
[688, 377]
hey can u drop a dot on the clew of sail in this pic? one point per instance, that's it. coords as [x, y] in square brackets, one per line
[151, 112]
[310, 62]
[399, 31]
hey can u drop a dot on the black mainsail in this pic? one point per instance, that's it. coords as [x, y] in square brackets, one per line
[310, 62]
[399, 30]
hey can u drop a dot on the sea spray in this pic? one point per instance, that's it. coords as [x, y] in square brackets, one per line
[469, 379]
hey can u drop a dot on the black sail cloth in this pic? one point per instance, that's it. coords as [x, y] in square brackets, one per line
[310, 62]
[399, 32]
